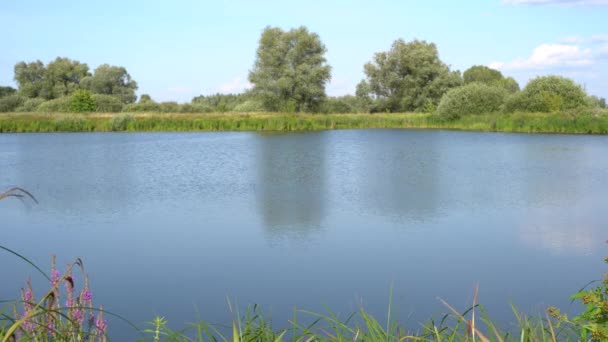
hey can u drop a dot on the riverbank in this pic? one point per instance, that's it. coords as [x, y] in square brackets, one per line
[596, 123]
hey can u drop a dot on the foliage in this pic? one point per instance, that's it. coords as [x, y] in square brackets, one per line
[60, 105]
[249, 106]
[62, 77]
[290, 71]
[594, 320]
[120, 122]
[343, 105]
[195, 108]
[221, 102]
[473, 98]
[489, 76]
[142, 106]
[169, 107]
[5, 91]
[481, 74]
[112, 80]
[10, 103]
[82, 101]
[30, 105]
[30, 78]
[107, 103]
[548, 94]
[408, 77]
[595, 101]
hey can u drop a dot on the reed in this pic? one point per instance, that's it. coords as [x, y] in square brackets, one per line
[595, 122]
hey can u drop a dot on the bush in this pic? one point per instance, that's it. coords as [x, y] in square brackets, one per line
[146, 106]
[30, 105]
[82, 101]
[548, 94]
[473, 98]
[249, 106]
[169, 107]
[340, 105]
[120, 122]
[195, 108]
[107, 103]
[10, 103]
[59, 105]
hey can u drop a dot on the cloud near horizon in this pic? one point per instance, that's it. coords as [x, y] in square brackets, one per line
[550, 56]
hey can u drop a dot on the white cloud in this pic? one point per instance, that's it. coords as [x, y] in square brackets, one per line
[599, 38]
[237, 85]
[550, 56]
[594, 39]
[603, 52]
[556, 2]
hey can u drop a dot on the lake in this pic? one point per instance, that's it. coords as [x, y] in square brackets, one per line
[173, 224]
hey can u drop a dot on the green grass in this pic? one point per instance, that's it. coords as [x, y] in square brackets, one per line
[586, 123]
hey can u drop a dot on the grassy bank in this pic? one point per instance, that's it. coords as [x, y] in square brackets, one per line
[525, 123]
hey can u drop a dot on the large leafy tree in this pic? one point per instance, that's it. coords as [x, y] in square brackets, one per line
[63, 77]
[409, 77]
[112, 80]
[59, 78]
[30, 78]
[290, 70]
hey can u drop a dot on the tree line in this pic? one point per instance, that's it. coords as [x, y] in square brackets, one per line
[290, 74]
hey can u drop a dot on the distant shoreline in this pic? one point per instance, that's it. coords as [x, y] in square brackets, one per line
[213, 122]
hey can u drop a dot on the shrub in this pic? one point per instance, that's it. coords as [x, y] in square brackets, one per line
[30, 105]
[82, 101]
[473, 98]
[120, 122]
[146, 106]
[339, 105]
[59, 105]
[107, 103]
[169, 107]
[195, 108]
[548, 94]
[249, 106]
[10, 102]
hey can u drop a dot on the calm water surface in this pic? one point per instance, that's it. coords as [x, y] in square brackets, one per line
[173, 223]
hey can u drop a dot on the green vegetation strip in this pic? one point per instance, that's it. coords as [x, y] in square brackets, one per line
[596, 123]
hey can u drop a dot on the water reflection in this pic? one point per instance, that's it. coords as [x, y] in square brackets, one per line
[291, 183]
[399, 174]
[75, 175]
[558, 187]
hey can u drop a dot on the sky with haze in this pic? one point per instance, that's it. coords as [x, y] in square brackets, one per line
[179, 49]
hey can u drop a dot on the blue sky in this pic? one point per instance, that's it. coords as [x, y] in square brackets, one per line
[182, 48]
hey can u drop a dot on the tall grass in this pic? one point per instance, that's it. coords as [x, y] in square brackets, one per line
[579, 123]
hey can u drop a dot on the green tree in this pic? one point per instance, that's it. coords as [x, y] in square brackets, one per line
[30, 78]
[482, 74]
[491, 77]
[548, 94]
[82, 101]
[290, 71]
[5, 91]
[112, 80]
[63, 77]
[410, 76]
